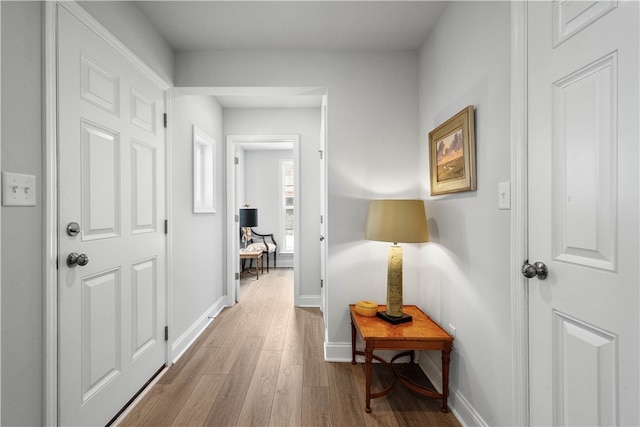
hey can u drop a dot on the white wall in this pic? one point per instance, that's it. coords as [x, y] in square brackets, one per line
[22, 238]
[262, 191]
[464, 278]
[306, 123]
[371, 153]
[198, 240]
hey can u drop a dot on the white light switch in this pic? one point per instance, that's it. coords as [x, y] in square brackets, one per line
[452, 330]
[504, 195]
[18, 189]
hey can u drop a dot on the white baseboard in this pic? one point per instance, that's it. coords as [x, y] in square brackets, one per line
[185, 340]
[337, 352]
[282, 263]
[341, 352]
[310, 301]
[461, 408]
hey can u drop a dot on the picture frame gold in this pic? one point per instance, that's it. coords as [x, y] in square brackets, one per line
[452, 154]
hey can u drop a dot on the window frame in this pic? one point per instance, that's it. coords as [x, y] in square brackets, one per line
[284, 246]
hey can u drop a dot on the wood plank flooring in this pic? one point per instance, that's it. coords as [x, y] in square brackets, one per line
[260, 363]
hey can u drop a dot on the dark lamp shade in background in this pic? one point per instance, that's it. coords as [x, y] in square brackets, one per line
[248, 217]
[397, 221]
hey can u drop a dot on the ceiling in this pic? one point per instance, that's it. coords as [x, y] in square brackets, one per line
[301, 24]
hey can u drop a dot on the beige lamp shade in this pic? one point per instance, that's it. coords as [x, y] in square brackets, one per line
[397, 221]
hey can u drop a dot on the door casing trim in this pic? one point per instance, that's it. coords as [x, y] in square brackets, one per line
[50, 178]
[232, 230]
[519, 216]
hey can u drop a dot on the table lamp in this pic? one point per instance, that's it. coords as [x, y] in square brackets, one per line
[396, 221]
[248, 219]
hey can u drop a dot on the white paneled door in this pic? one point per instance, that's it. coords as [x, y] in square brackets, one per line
[111, 154]
[583, 212]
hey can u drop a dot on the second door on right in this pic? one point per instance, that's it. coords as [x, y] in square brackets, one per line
[583, 212]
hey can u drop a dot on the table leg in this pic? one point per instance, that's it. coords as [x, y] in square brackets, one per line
[368, 357]
[446, 358]
[353, 343]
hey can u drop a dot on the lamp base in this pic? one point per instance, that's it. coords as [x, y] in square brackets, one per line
[394, 320]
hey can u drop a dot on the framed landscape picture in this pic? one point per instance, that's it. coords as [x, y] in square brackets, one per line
[452, 154]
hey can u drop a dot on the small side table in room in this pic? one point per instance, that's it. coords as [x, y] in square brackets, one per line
[251, 255]
[421, 333]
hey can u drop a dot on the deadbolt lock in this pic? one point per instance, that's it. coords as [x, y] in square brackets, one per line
[73, 229]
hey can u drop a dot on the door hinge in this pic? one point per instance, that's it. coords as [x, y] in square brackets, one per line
[321, 153]
[321, 219]
[165, 119]
[166, 226]
[166, 333]
[321, 283]
[237, 218]
[236, 160]
[237, 276]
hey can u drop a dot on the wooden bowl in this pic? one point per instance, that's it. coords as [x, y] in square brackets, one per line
[366, 308]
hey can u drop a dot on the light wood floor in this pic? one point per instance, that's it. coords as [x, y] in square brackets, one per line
[260, 363]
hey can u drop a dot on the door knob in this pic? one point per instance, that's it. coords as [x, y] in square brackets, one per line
[537, 269]
[74, 259]
[321, 238]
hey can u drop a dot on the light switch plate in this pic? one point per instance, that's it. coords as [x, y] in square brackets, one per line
[452, 330]
[18, 189]
[504, 195]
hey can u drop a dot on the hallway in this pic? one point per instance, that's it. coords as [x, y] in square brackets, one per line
[260, 363]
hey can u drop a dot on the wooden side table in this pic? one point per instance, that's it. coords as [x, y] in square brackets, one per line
[421, 333]
[250, 255]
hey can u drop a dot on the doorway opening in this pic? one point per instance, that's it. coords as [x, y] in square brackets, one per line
[249, 182]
